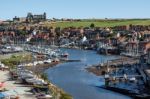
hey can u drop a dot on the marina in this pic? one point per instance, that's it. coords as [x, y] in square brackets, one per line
[56, 49]
[74, 79]
[114, 73]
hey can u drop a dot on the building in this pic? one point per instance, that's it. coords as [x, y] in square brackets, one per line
[148, 56]
[35, 18]
[136, 48]
[16, 19]
[22, 19]
[121, 28]
[139, 27]
[30, 18]
[144, 47]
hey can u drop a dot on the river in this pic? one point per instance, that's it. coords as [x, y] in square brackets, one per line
[75, 80]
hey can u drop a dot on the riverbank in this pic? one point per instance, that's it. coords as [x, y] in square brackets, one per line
[11, 89]
[111, 65]
[57, 92]
[122, 76]
[73, 78]
[127, 81]
[38, 70]
[132, 93]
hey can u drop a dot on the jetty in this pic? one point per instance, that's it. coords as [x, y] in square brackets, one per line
[112, 65]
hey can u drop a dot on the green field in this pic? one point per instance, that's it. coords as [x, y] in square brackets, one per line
[101, 23]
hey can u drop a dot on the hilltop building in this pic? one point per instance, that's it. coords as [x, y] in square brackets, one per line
[35, 18]
[30, 18]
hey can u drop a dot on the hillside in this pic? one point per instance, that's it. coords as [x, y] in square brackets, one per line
[99, 23]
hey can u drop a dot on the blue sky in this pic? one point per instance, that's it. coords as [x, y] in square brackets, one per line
[76, 8]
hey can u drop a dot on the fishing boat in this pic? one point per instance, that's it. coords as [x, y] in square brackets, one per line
[40, 82]
[43, 96]
[35, 81]
[26, 75]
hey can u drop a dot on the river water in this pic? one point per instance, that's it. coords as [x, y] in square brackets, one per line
[75, 80]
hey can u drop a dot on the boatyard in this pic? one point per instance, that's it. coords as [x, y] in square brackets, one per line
[27, 75]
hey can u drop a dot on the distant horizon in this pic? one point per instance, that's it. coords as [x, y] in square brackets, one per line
[92, 18]
[76, 18]
[77, 9]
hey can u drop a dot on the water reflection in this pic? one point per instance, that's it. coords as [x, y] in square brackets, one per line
[74, 79]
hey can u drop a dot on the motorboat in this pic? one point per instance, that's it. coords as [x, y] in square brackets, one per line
[65, 55]
[43, 96]
[48, 61]
[26, 75]
[40, 82]
[31, 80]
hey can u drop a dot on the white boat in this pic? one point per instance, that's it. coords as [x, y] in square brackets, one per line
[43, 96]
[48, 61]
[39, 82]
[31, 80]
[26, 75]
[132, 79]
[64, 54]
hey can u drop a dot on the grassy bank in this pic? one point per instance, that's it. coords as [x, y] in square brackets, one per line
[15, 59]
[100, 23]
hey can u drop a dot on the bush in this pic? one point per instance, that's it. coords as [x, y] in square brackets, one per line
[44, 76]
[12, 61]
[92, 25]
[65, 96]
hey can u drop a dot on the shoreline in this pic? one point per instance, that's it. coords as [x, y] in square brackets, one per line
[101, 69]
[42, 67]
[14, 89]
[139, 88]
[96, 69]
[129, 93]
[38, 70]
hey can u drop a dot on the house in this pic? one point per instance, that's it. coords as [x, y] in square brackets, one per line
[121, 28]
[16, 19]
[0, 38]
[131, 47]
[114, 41]
[143, 47]
[145, 67]
[22, 19]
[139, 27]
[148, 56]
[136, 48]
[90, 34]
[146, 35]
[147, 73]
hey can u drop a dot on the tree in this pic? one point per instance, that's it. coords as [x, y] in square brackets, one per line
[22, 32]
[92, 25]
[58, 31]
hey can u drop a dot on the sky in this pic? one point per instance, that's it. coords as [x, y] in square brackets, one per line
[78, 9]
